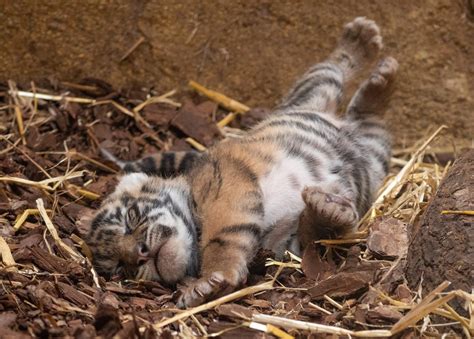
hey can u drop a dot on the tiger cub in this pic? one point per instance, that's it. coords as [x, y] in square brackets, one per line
[302, 165]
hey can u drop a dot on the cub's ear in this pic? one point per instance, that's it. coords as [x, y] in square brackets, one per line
[85, 221]
[133, 215]
[131, 182]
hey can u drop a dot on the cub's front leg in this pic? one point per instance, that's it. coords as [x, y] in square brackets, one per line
[229, 204]
[224, 263]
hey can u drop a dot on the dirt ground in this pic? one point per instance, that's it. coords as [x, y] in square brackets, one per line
[249, 50]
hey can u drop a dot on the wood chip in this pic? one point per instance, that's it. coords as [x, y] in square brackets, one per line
[388, 238]
[190, 121]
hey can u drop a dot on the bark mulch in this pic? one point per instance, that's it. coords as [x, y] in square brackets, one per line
[52, 178]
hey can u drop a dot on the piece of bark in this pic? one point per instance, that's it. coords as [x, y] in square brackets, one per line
[107, 321]
[383, 315]
[388, 238]
[314, 267]
[260, 303]
[158, 114]
[191, 122]
[55, 264]
[10, 334]
[234, 311]
[342, 284]
[353, 277]
[253, 117]
[442, 244]
[73, 295]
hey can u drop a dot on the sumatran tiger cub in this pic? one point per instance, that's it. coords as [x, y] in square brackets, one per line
[208, 214]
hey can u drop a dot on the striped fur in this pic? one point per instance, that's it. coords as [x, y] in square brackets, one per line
[165, 165]
[304, 165]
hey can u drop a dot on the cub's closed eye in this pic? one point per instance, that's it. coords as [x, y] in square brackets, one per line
[119, 268]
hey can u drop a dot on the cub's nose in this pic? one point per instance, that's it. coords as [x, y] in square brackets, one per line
[143, 253]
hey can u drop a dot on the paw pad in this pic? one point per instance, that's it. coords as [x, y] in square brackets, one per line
[361, 40]
[329, 209]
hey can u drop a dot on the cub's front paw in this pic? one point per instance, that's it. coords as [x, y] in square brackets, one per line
[203, 289]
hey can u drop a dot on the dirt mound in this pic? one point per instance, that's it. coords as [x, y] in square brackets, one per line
[251, 51]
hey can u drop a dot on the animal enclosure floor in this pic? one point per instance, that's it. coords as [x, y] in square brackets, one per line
[252, 51]
[52, 179]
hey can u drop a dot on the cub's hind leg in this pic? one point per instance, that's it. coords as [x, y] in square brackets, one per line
[321, 88]
[326, 214]
[366, 111]
[371, 99]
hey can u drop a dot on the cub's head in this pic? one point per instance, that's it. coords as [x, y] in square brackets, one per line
[145, 230]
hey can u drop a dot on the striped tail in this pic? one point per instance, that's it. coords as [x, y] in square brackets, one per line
[166, 164]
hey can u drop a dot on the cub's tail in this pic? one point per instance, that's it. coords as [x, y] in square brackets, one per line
[166, 164]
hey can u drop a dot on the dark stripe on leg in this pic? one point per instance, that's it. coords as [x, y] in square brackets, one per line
[310, 88]
[227, 243]
[243, 168]
[252, 229]
[253, 203]
[217, 175]
[314, 117]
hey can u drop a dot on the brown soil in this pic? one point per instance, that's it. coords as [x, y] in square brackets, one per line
[250, 50]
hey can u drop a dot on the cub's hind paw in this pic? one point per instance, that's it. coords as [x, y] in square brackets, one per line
[333, 212]
[361, 42]
[198, 291]
[373, 95]
[384, 74]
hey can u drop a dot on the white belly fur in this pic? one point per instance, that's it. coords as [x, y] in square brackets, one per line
[282, 195]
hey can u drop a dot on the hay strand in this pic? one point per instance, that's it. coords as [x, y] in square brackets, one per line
[317, 328]
[49, 97]
[223, 100]
[54, 233]
[458, 212]
[196, 145]
[212, 304]
[20, 220]
[7, 256]
[132, 48]
[270, 329]
[232, 105]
